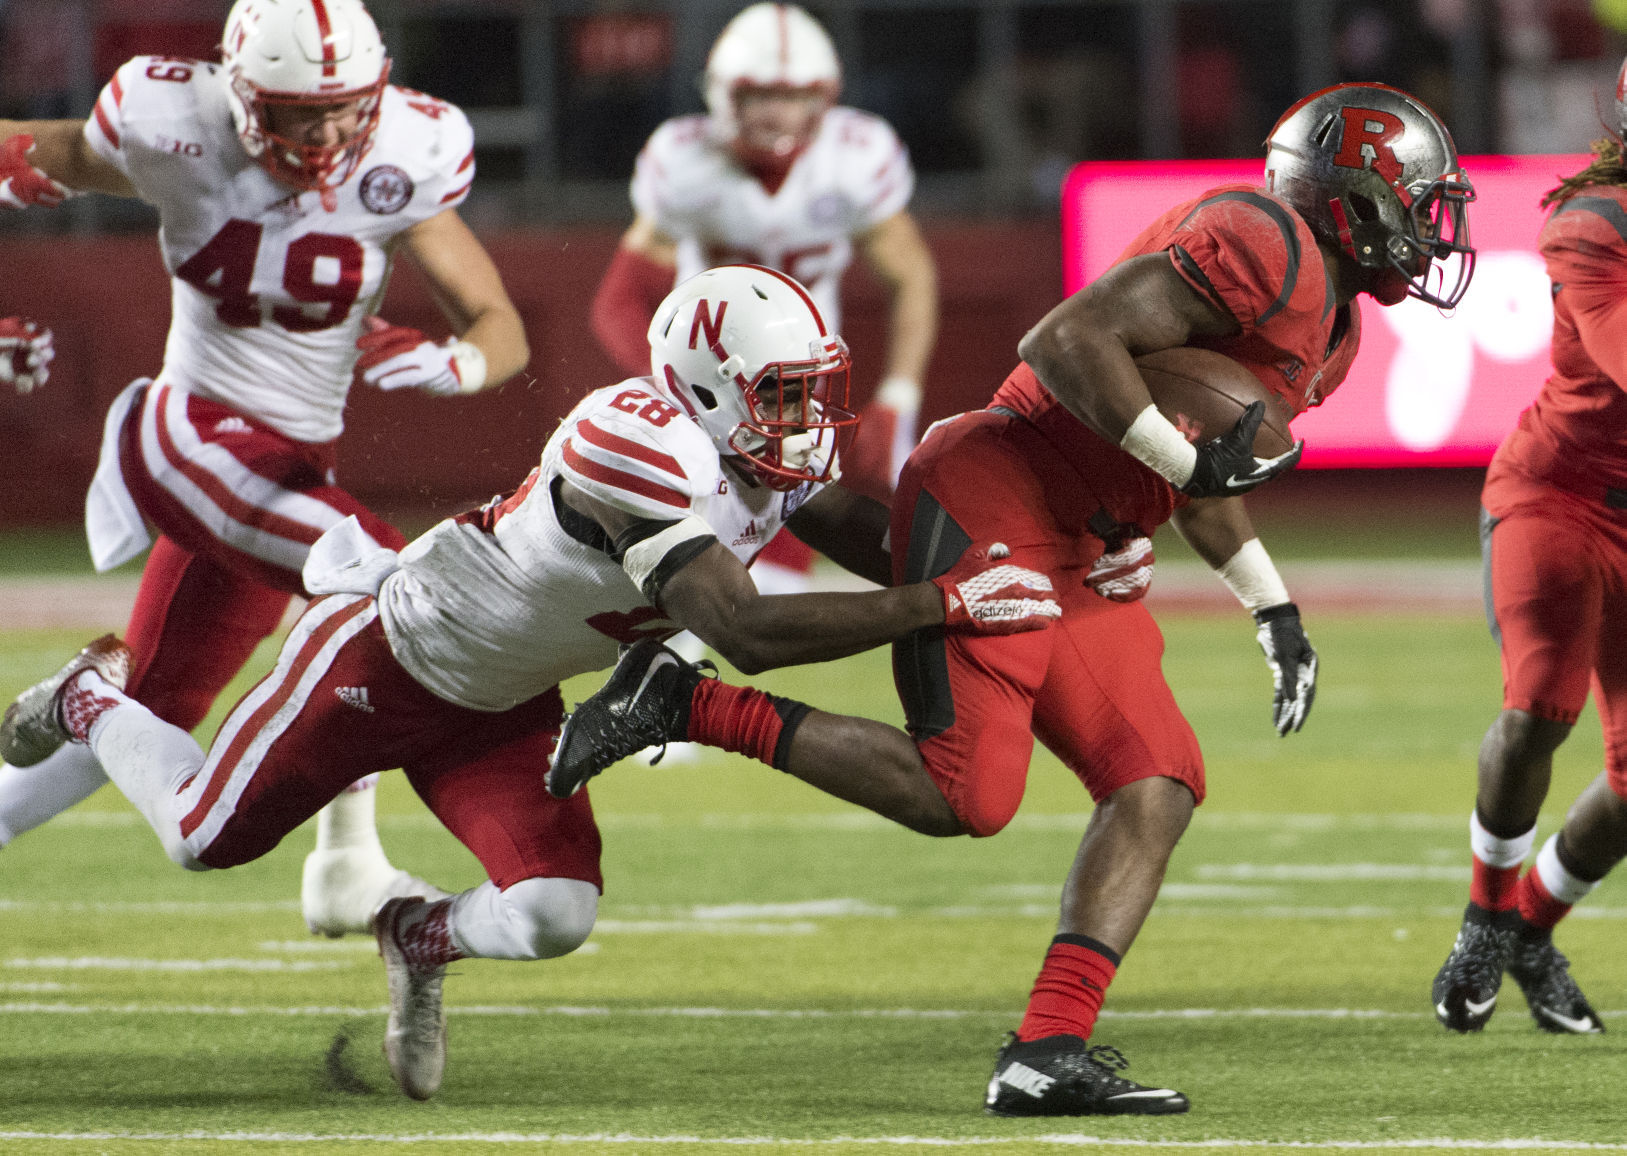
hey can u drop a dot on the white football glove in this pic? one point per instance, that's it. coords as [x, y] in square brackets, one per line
[1293, 665]
[400, 357]
[985, 594]
[1124, 574]
[25, 354]
[21, 184]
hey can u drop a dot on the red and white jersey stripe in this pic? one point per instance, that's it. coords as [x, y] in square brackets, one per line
[269, 290]
[491, 610]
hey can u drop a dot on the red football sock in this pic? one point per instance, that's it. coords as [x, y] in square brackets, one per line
[744, 720]
[1069, 990]
[1537, 905]
[1494, 888]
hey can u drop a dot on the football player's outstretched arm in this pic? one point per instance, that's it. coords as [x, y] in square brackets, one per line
[639, 275]
[467, 288]
[61, 153]
[897, 253]
[849, 529]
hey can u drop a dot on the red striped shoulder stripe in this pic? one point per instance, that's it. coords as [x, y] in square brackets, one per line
[627, 447]
[621, 480]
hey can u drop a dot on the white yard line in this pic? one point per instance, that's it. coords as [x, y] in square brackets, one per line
[1058, 1140]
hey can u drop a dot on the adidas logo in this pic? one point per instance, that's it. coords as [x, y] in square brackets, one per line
[232, 425]
[355, 696]
[1026, 1079]
[750, 536]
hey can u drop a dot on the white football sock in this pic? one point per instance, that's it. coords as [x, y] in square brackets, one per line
[31, 795]
[351, 820]
[1561, 884]
[534, 919]
[1495, 851]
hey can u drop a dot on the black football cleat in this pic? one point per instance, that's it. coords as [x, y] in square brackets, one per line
[1465, 989]
[644, 703]
[1544, 975]
[1063, 1076]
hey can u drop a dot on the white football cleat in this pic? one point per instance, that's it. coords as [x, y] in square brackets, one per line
[342, 890]
[415, 1036]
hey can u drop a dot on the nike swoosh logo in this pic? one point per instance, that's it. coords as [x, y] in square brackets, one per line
[1476, 1009]
[1145, 1094]
[1236, 483]
[661, 660]
[1584, 1026]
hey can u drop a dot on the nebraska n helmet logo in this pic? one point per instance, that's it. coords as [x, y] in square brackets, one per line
[1368, 141]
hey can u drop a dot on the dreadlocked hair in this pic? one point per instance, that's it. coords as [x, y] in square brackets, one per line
[1609, 167]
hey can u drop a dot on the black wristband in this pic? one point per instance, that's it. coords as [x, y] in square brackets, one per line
[1273, 613]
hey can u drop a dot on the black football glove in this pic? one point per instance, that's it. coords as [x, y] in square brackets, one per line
[1226, 465]
[1293, 665]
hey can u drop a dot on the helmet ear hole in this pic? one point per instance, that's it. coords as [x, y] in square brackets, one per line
[705, 396]
[1366, 209]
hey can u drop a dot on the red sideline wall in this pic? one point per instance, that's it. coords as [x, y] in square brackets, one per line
[107, 299]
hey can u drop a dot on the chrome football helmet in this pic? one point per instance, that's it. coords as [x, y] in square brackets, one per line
[770, 48]
[303, 55]
[744, 350]
[1375, 174]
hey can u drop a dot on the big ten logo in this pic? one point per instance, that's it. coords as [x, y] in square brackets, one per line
[1506, 317]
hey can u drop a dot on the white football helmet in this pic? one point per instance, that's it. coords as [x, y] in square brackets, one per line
[1374, 172]
[776, 48]
[744, 350]
[303, 53]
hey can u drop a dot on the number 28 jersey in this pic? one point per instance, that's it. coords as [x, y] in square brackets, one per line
[494, 607]
[269, 290]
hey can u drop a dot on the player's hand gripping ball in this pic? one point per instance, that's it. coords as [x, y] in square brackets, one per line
[984, 593]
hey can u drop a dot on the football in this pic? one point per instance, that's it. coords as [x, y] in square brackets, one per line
[1204, 393]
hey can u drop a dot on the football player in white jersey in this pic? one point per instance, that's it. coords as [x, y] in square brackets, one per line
[285, 178]
[445, 659]
[777, 174]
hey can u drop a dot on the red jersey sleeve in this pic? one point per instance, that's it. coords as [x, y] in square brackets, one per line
[1585, 247]
[1245, 251]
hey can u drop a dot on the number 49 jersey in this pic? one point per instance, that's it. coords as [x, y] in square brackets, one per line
[269, 290]
[495, 607]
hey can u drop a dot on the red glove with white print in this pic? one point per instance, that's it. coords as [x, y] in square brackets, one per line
[984, 594]
[400, 357]
[21, 184]
[1124, 574]
[25, 354]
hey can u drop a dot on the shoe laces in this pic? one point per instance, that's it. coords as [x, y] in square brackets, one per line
[1108, 1057]
[701, 668]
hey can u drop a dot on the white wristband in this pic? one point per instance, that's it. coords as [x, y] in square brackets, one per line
[1253, 578]
[1152, 439]
[470, 363]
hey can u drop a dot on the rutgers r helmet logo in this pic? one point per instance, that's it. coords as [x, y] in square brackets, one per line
[1368, 142]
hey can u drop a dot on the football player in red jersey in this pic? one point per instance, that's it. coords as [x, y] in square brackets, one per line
[1069, 469]
[779, 174]
[285, 178]
[1554, 532]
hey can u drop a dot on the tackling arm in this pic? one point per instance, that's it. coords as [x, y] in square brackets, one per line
[61, 152]
[640, 275]
[469, 292]
[849, 529]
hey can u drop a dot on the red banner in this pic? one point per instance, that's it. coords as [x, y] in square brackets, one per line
[1427, 389]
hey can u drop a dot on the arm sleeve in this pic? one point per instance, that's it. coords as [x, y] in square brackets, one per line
[1587, 261]
[883, 167]
[625, 302]
[451, 149]
[1244, 251]
[620, 460]
[105, 129]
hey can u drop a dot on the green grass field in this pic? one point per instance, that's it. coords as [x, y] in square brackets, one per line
[776, 971]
